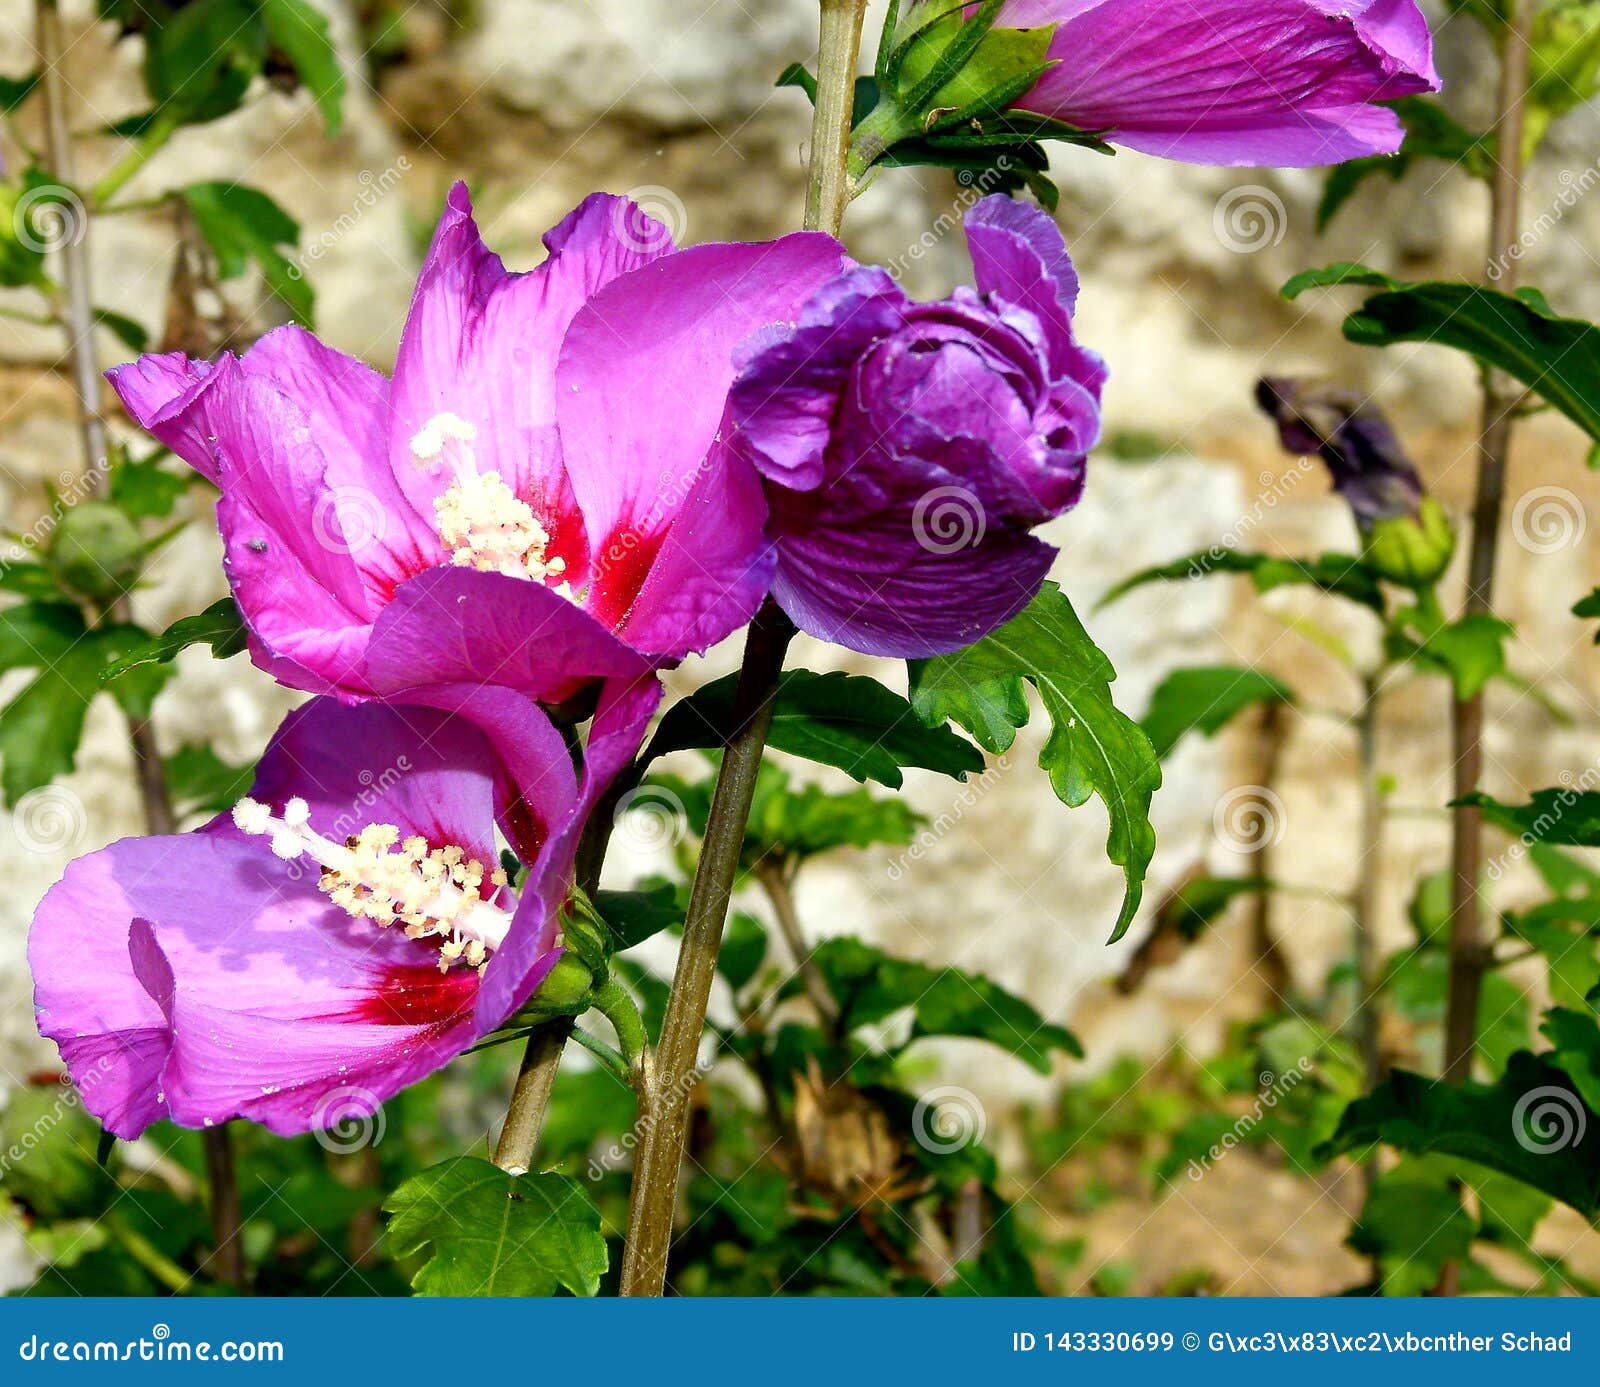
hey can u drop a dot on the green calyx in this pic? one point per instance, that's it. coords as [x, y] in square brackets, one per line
[96, 550]
[1412, 552]
[941, 71]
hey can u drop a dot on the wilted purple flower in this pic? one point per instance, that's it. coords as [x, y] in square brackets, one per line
[535, 499]
[1277, 82]
[342, 933]
[910, 448]
[1370, 468]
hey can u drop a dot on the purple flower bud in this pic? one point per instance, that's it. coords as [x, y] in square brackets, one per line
[1370, 469]
[911, 448]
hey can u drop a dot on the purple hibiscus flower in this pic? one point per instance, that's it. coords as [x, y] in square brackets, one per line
[910, 448]
[345, 931]
[1278, 82]
[535, 499]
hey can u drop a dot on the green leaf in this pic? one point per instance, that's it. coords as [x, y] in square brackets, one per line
[1197, 903]
[1532, 1125]
[744, 950]
[486, 1233]
[841, 720]
[201, 58]
[799, 75]
[126, 330]
[1431, 133]
[1575, 1036]
[1340, 574]
[29, 579]
[201, 782]
[15, 90]
[807, 820]
[1558, 815]
[1557, 357]
[1093, 748]
[1470, 652]
[146, 490]
[242, 225]
[1336, 275]
[1413, 1224]
[42, 725]
[1589, 607]
[300, 31]
[1206, 698]
[634, 916]
[219, 626]
[871, 986]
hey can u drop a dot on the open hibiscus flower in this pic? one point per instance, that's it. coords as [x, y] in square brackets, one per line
[910, 449]
[343, 932]
[1278, 82]
[534, 500]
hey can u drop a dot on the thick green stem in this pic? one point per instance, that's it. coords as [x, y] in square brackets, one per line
[839, 52]
[663, 1114]
[1469, 955]
[663, 1121]
[536, 1080]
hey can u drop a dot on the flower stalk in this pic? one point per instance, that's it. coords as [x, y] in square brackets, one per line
[663, 1119]
[536, 1080]
[1469, 954]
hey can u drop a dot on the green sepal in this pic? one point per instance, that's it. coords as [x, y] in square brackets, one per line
[1412, 552]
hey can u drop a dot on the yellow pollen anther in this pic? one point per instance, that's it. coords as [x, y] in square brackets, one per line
[486, 526]
[374, 876]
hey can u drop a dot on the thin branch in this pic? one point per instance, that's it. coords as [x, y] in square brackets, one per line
[1501, 396]
[777, 879]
